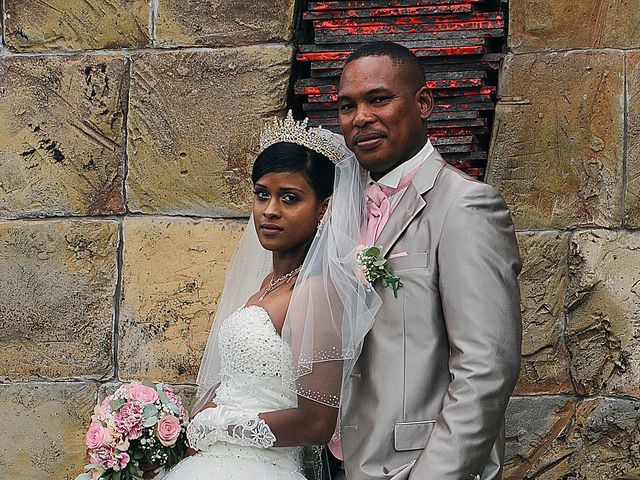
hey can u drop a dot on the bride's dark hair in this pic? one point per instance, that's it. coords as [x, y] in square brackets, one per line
[315, 167]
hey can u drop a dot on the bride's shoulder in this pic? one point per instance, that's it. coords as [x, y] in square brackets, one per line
[265, 281]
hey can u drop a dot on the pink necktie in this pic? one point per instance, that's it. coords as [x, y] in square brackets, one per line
[378, 212]
[378, 205]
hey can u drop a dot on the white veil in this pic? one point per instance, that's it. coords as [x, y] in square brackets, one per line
[331, 308]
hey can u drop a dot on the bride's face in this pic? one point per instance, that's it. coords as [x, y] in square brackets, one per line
[286, 211]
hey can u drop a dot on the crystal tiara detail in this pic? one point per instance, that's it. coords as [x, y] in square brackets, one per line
[290, 130]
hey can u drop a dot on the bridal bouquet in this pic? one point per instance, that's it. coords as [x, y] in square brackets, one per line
[138, 423]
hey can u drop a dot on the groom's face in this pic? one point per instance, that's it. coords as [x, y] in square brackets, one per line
[382, 112]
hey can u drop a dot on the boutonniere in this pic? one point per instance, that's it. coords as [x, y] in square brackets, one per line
[372, 266]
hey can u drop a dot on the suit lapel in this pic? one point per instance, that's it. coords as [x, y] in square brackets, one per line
[411, 203]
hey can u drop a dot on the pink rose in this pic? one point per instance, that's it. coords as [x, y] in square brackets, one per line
[128, 420]
[145, 395]
[97, 436]
[168, 430]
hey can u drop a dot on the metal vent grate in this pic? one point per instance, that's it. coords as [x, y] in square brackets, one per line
[459, 42]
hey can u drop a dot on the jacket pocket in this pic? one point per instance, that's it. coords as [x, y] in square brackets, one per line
[406, 262]
[412, 435]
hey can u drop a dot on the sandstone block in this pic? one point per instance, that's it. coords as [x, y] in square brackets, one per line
[632, 197]
[173, 275]
[33, 25]
[543, 282]
[603, 302]
[43, 429]
[554, 437]
[61, 135]
[557, 145]
[532, 422]
[194, 22]
[57, 291]
[568, 24]
[194, 124]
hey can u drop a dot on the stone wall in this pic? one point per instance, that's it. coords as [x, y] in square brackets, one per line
[127, 132]
[565, 155]
[127, 129]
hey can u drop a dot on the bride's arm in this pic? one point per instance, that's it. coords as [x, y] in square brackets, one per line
[311, 423]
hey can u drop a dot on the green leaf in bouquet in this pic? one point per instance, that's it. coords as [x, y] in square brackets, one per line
[163, 398]
[116, 404]
[169, 403]
[174, 408]
[149, 410]
[171, 457]
[130, 472]
[116, 476]
[380, 263]
[149, 422]
[84, 476]
[149, 384]
[134, 472]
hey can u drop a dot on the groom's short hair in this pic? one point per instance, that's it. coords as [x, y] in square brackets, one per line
[397, 53]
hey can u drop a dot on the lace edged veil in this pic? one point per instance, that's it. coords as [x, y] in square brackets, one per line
[331, 309]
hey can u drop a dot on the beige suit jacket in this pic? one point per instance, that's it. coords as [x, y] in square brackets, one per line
[438, 366]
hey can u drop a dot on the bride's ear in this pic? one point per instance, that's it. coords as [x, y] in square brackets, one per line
[323, 207]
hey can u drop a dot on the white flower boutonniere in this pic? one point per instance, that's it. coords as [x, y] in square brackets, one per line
[372, 266]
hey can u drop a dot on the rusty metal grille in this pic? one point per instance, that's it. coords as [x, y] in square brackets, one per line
[459, 42]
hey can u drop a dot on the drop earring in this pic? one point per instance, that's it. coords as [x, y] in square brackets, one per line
[320, 226]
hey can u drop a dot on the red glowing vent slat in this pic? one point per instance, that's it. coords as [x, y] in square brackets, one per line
[363, 4]
[389, 12]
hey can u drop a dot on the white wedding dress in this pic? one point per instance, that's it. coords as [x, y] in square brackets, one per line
[253, 358]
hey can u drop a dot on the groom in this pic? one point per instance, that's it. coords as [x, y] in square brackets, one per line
[426, 399]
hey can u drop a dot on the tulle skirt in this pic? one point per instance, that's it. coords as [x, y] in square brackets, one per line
[226, 461]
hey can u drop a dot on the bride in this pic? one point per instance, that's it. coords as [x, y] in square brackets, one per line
[291, 319]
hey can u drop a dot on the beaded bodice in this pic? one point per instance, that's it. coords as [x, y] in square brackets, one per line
[253, 359]
[250, 344]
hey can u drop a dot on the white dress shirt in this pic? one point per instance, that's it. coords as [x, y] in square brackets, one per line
[392, 179]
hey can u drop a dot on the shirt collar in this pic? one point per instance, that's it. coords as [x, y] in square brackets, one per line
[392, 179]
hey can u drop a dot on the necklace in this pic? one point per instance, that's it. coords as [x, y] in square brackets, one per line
[275, 283]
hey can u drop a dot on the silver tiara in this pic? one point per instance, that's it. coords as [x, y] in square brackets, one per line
[290, 130]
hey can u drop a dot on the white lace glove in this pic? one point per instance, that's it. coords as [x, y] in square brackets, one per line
[222, 424]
